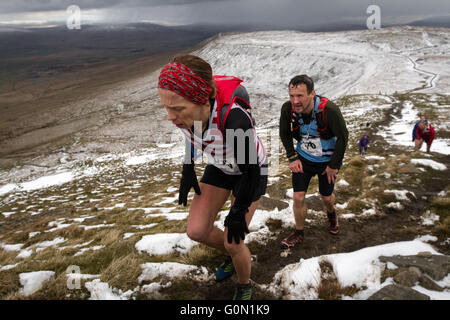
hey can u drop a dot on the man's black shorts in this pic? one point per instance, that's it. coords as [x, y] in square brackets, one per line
[216, 177]
[300, 181]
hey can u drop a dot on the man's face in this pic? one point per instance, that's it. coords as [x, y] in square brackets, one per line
[300, 99]
[180, 111]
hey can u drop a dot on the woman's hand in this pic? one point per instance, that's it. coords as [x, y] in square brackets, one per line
[188, 180]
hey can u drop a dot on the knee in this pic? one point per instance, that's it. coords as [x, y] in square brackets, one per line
[327, 199]
[233, 248]
[196, 233]
[299, 198]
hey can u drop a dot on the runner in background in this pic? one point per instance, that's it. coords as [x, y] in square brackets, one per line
[423, 131]
[363, 144]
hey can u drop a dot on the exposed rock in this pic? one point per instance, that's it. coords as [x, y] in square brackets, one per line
[277, 190]
[425, 254]
[429, 284]
[271, 204]
[398, 292]
[436, 266]
[406, 278]
[416, 270]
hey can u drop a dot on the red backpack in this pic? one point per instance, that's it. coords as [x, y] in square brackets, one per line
[229, 91]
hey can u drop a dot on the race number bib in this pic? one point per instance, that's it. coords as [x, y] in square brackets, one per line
[312, 146]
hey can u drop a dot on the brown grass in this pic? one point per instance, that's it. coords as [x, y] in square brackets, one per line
[357, 162]
[274, 224]
[202, 255]
[356, 205]
[9, 283]
[173, 226]
[442, 207]
[123, 272]
[7, 257]
[329, 288]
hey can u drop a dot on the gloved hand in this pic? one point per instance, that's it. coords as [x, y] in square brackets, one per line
[188, 180]
[235, 221]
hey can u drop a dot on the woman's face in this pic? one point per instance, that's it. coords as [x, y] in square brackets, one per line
[181, 111]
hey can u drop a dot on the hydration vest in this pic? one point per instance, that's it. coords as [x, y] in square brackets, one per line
[322, 125]
[229, 91]
[313, 146]
[230, 94]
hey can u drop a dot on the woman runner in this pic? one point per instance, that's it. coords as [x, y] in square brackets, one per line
[216, 120]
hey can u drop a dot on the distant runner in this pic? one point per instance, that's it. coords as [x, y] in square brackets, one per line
[363, 144]
[207, 109]
[321, 133]
[423, 131]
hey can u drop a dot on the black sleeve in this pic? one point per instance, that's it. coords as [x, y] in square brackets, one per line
[285, 129]
[336, 123]
[247, 162]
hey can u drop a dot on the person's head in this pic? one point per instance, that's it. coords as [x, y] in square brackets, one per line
[423, 122]
[301, 93]
[185, 86]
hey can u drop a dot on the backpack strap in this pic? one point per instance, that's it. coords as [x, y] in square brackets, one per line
[239, 96]
[320, 116]
[294, 119]
[322, 125]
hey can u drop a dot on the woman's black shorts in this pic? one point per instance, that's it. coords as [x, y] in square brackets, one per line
[216, 177]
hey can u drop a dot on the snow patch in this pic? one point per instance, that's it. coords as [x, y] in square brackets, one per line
[430, 163]
[33, 281]
[165, 243]
[359, 268]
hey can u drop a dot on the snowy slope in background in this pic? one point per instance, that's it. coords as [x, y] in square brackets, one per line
[341, 63]
[393, 59]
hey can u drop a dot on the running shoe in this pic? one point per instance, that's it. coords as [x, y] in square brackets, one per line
[334, 226]
[225, 270]
[243, 292]
[291, 240]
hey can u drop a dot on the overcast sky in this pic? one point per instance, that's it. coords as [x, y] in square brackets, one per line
[278, 13]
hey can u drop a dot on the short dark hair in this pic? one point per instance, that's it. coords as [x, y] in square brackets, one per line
[303, 78]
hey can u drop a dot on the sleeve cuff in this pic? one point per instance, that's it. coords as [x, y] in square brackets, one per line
[293, 158]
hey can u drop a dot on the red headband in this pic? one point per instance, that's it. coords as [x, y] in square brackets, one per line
[180, 79]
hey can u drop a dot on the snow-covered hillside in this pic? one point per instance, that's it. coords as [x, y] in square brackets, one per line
[382, 80]
[370, 62]
[341, 63]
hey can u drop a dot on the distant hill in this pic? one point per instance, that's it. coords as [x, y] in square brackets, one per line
[443, 21]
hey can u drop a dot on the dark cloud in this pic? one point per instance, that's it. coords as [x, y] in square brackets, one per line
[291, 13]
[10, 6]
[279, 13]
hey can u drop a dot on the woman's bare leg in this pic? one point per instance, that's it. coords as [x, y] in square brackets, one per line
[240, 254]
[202, 214]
